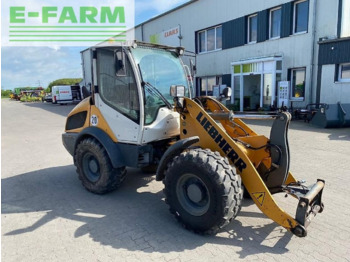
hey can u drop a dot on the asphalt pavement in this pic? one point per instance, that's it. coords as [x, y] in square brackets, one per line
[47, 215]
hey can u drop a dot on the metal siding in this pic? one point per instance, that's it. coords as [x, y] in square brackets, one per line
[240, 28]
[227, 34]
[234, 33]
[308, 15]
[318, 84]
[336, 73]
[263, 26]
[335, 52]
[287, 19]
[226, 80]
[339, 17]
[196, 42]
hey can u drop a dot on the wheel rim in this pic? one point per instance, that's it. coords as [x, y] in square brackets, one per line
[193, 194]
[91, 167]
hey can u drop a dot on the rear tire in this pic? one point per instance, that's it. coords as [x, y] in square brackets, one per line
[95, 169]
[202, 190]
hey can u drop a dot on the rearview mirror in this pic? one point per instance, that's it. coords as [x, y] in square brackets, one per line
[120, 69]
[177, 91]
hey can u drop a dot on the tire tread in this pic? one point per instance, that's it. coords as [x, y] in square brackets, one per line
[110, 180]
[224, 175]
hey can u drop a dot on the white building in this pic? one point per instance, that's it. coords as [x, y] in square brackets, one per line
[252, 45]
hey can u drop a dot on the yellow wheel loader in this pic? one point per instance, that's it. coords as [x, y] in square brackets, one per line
[139, 111]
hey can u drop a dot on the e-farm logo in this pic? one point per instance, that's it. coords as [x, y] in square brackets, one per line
[72, 24]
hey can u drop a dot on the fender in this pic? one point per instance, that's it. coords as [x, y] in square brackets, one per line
[173, 151]
[111, 147]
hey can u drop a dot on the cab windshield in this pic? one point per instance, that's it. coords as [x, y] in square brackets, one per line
[159, 69]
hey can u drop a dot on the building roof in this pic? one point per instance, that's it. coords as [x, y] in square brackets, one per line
[167, 12]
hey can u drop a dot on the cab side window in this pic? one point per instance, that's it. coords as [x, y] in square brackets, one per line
[117, 83]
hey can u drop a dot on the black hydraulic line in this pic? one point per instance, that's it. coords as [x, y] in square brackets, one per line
[237, 125]
[249, 146]
[199, 102]
[216, 102]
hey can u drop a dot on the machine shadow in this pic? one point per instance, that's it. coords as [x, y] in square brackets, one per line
[62, 110]
[132, 217]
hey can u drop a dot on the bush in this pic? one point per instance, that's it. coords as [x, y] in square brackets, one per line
[233, 107]
[31, 99]
[23, 99]
[64, 81]
[6, 93]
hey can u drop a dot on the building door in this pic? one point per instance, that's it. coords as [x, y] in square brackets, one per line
[267, 92]
[254, 83]
[251, 92]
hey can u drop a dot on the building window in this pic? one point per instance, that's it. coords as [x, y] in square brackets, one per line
[202, 47]
[345, 19]
[275, 22]
[210, 39]
[252, 28]
[344, 73]
[301, 15]
[207, 83]
[219, 37]
[298, 83]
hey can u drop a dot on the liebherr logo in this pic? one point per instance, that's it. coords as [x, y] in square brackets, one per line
[221, 142]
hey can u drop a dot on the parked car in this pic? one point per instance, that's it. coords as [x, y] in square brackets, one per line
[48, 97]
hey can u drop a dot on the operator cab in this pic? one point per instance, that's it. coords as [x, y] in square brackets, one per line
[132, 87]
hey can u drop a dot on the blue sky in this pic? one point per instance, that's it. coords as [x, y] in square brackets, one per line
[29, 66]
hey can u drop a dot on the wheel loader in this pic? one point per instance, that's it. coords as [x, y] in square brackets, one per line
[139, 111]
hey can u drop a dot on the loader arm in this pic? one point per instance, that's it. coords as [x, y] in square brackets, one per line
[251, 153]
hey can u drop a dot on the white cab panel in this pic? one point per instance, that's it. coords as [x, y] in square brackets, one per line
[166, 125]
[124, 129]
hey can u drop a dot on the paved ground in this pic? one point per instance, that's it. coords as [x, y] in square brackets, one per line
[48, 216]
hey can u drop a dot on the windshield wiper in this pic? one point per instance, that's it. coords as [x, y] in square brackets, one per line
[154, 91]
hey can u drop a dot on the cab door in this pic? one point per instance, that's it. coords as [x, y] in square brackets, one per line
[117, 94]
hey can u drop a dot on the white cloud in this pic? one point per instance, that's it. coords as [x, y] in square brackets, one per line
[26, 66]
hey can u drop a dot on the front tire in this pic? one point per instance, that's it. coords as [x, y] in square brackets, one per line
[95, 168]
[203, 190]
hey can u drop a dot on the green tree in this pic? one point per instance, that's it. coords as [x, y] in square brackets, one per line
[64, 81]
[5, 93]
